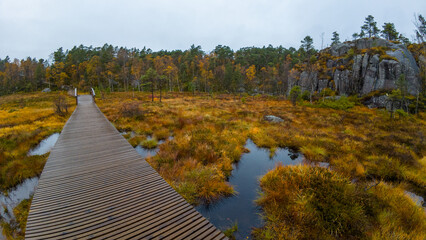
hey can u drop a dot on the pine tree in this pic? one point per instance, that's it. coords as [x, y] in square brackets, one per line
[355, 36]
[403, 39]
[420, 24]
[370, 27]
[335, 39]
[307, 45]
[389, 32]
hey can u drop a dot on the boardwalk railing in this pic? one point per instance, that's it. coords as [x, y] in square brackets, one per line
[96, 186]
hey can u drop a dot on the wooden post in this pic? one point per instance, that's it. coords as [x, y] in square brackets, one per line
[93, 94]
[76, 96]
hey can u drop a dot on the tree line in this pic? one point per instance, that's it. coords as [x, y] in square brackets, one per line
[110, 68]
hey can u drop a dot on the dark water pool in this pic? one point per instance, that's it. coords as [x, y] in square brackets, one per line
[241, 208]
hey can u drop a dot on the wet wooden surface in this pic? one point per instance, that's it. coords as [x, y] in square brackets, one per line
[96, 186]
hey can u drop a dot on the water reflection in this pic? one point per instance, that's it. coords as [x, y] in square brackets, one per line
[241, 208]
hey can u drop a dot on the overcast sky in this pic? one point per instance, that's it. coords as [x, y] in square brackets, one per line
[37, 28]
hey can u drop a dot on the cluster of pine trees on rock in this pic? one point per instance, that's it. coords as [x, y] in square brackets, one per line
[108, 68]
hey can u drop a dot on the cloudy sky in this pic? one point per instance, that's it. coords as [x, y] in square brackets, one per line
[36, 28]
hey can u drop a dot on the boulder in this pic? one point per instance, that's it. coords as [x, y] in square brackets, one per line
[46, 90]
[377, 102]
[273, 119]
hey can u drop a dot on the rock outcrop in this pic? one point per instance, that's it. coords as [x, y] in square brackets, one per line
[361, 67]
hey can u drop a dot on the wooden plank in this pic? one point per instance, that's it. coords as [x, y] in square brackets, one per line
[96, 186]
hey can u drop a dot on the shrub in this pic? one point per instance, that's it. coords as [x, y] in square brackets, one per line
[61, 105]
[401, 114]
[306, 95]
[326, 92]
[294, 94]
[132, 109]
[342, 103]
[351, 53]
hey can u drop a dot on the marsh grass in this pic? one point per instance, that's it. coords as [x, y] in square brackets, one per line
[25, 120]
[304, 202]
[230, 232]
[149, 143]
[210, 132]
[16, 228]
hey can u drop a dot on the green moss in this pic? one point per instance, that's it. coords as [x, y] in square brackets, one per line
[149, 144]
[387, 57]
[343, 103]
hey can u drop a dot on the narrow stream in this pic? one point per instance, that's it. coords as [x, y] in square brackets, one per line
[16, 195]
[13, 197]
[241, 208]
[45, 145]
[26, 189]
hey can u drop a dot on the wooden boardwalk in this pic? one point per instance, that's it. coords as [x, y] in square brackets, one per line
[96, 186]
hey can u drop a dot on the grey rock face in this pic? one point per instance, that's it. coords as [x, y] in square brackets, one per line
[308, 81]
[322, 83]
[363, 73]
[371, 42]
[340, 49]
[371, 73]
[342, 81]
